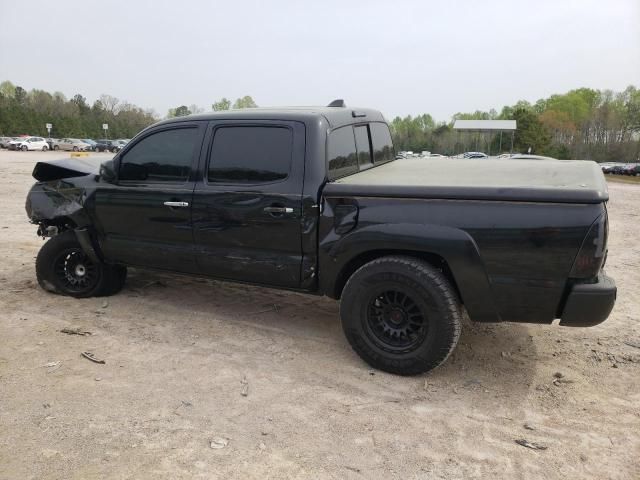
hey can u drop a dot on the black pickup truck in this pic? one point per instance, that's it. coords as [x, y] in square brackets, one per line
[314, 200]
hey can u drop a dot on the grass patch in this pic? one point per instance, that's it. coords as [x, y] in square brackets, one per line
[622, 179]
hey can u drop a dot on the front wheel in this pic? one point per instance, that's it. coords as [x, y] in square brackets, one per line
[45, 148]
[62, 267]
[24, 148]
[401, 315]
[75, 149]
[56, 147]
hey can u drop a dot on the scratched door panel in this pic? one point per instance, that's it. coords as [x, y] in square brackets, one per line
[247, 206]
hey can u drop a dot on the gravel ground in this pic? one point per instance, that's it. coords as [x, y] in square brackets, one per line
[180, 352]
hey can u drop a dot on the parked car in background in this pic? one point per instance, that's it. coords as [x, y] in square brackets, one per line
[92, 143]
[104, 145]
[72, 144]
[29, 143]
[51, 142]
[617, 169]
[607, 167]
[631, 169]
[4, 141]
[474, 155]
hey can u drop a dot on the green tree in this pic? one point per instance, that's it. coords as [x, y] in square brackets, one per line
[180, 111]
[81, 103]
[20, 95]
[222, 104]
[7, 89]
[28, 112]
[244, 102]
[530, 132]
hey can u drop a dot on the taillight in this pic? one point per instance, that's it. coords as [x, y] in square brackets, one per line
[593, 252]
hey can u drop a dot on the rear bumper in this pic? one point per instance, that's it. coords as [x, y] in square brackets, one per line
[589, 304]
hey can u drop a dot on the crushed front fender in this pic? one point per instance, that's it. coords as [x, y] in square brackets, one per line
[60, 202]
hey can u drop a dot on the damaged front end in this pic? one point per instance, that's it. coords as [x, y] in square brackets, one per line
[59, 200]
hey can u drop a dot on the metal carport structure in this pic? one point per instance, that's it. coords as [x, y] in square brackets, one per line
[487, 126]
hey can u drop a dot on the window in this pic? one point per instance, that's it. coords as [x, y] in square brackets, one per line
[362, 145]
[382, 144]
[250, 154]
[161, 157]
[343, 159]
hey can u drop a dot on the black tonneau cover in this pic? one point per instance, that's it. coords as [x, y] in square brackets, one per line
[556, 181]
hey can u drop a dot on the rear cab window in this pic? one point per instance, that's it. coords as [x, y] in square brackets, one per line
[354, 148]
[383, 151]
[343, 157]
[363, 146]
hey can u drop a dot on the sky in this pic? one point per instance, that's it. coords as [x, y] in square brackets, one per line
[399, 56]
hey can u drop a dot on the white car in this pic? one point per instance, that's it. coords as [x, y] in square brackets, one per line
[29, 143]
[72, 144]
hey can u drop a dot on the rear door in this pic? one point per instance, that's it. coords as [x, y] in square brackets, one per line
[145, 219]
[247, 206]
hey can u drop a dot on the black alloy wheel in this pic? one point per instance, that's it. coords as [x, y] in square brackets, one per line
[395, 321]
[75, 272]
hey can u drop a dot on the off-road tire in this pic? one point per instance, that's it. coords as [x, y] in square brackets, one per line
[431, 293]
[107, 280]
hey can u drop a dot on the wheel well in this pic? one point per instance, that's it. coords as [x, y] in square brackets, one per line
[432, 259]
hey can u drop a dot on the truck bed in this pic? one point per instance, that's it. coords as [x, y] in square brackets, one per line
[562, 181]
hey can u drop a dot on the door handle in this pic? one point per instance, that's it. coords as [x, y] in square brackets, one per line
[278, 210]
[176, 204]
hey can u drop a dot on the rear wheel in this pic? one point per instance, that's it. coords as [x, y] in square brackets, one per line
[56, 147]
[62, 267]
[401, 315]
[75, 149]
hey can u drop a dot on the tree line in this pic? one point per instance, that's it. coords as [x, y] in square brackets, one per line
[584, 123]
[599, 125]
[222, 104]
[23, 112]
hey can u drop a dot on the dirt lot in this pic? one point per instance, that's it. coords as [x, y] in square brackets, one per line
[179, 352]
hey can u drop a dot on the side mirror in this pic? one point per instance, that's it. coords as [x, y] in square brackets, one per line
[108, 171]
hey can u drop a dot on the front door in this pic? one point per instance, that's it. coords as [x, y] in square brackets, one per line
[145, 219]
[247, 205]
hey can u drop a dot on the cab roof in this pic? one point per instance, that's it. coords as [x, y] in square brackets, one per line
[335, 116]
